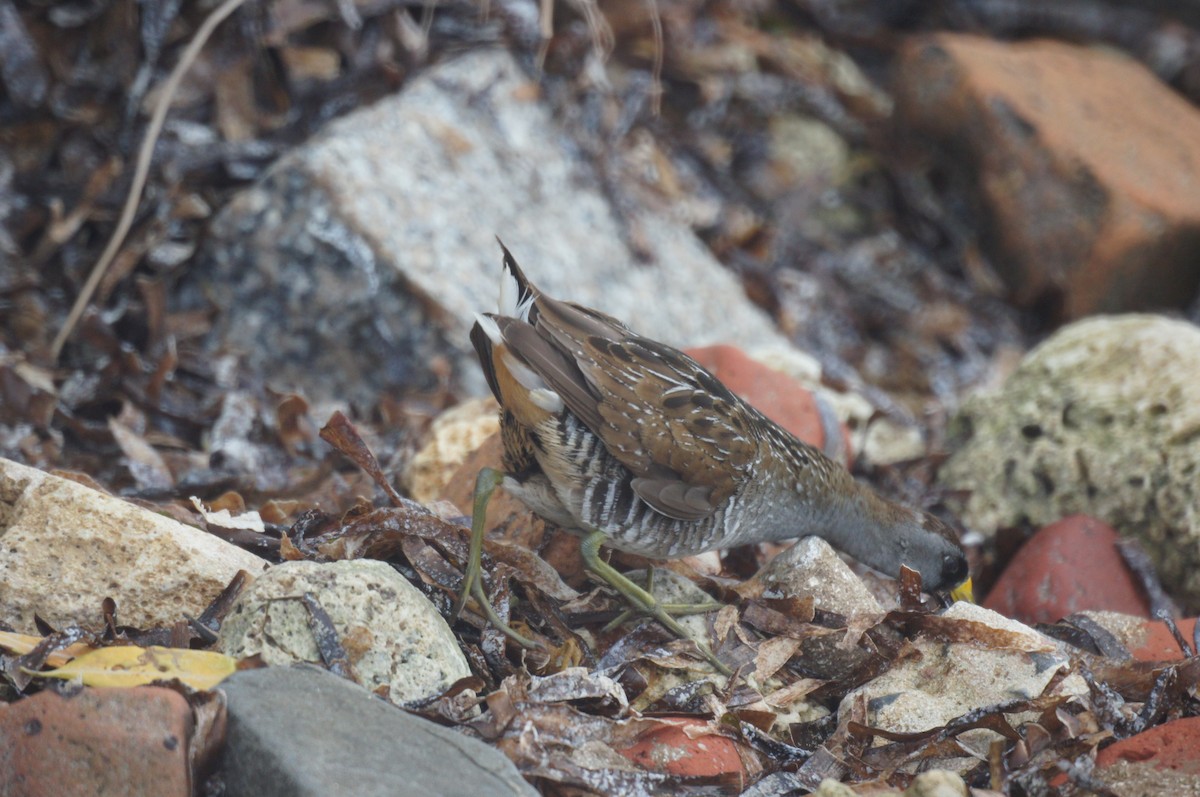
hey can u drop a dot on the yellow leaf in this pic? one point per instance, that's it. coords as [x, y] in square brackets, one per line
[21, 644]
[129, 665]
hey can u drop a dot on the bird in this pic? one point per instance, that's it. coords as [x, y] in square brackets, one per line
[633, 445]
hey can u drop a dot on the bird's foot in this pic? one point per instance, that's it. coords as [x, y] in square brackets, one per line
[485, 484]
[643, 601]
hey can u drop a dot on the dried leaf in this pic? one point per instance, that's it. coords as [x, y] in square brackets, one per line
[129, 665]
[342, 435]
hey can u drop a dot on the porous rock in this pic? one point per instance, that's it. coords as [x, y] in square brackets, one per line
[65, 547]
[395, 638]
[1103, 419]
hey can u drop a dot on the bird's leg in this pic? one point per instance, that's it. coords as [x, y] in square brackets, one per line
[642, 600]
[485, 484]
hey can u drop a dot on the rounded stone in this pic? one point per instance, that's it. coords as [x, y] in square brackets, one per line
[397, 643]
[1103, 419]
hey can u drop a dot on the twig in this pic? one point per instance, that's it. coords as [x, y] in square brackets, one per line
[656, 87]
[145, 154]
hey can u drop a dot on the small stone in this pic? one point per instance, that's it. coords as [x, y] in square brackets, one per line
[937, 783]
[812, 567]
[1067, 567]
[98, 741]
[401, 642]
[56, 532]
[834, 788]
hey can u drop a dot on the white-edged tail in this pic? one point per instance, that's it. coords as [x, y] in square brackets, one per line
[490, 328]
[515, 299]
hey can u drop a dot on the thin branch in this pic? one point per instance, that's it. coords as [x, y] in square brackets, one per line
[145, 155]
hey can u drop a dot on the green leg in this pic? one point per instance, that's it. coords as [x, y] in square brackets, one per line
[485, 484]
[640, 598]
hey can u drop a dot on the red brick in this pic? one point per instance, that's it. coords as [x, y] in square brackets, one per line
[1159, 643]
[672, 751]
[130, 742]
[1085, 166]
[1067, 567]
[1174, 745]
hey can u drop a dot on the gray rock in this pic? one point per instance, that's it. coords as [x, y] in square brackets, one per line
[394, 636]
[364, 255]
[301, 731]
[1102, 419]
[812, 567]
[65, 547]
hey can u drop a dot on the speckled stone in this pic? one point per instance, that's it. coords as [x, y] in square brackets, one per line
[394, 636]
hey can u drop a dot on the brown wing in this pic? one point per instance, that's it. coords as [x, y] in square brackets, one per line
[683, 434]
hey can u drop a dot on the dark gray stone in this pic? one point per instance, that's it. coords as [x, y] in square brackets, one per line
[301, 731]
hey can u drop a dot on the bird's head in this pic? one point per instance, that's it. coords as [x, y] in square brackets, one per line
[932, 548]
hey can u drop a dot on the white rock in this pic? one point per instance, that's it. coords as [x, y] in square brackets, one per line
[937, 783]
[812, 567]
[363, 256]
[65, 547]
[395, 638]
[1104, 419]
[949, 679]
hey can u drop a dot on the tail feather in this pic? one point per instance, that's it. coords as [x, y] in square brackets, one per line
[517, 293]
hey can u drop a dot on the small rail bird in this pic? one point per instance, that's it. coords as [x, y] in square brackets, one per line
[634, 445]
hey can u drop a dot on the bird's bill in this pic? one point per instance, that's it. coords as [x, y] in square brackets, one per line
[964, 592]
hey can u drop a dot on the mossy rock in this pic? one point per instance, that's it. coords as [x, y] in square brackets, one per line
[1103, 418]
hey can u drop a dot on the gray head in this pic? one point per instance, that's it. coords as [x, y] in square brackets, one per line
[886, 535]
[934, 551]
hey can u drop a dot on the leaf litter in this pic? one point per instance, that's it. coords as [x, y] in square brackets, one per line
[137, 404]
